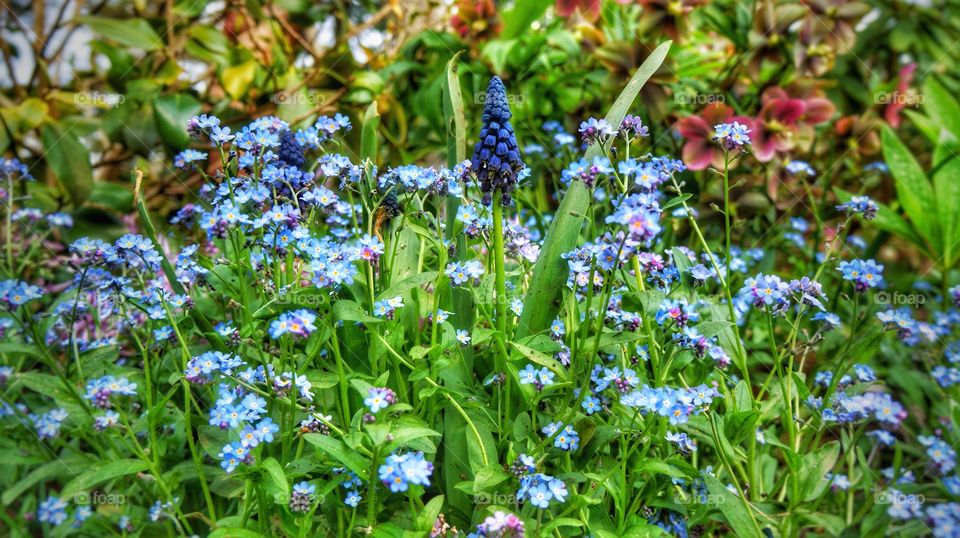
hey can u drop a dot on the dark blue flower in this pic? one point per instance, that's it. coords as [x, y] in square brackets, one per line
[290, 152]
[496, 158]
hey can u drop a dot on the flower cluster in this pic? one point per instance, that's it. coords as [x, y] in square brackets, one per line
[864, 274]
[861, 205]
[496, 158]
[678, 405]
[499, 525]
[541, 490]
[399, 471]
[99, 391]
[299, 323]
[732, 136]
[564, 436]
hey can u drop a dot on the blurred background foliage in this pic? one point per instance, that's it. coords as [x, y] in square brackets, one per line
[91, 89]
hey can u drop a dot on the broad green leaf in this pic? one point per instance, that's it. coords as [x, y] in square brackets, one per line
[517, 20]
[68, 160]
[428, 514]
[172, 112]
[541, 304]
[814, 469]
[913, 188]
[275, 480]
[234, 532]
[14, 348]
[489, 476]
[132, 32]
[340, 452]
[941, 106]
[406, 434]
[101, 472]
[888, 220]
[405, 285]
[946, 184]
[542, 359]
[59, 468]
[350, 311]
[238, 78]
[733, 508]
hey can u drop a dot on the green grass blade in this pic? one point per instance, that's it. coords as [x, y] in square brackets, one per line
[550, 273]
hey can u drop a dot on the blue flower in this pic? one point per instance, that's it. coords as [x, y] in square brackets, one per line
[52, 510]
[399, 471]
[379, 398]
[591, 405]
[732, 135]
[593, 129]
[800, 167]
[861, 205]
[865, 274]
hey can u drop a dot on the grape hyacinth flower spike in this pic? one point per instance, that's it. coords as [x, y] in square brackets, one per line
[496, 158]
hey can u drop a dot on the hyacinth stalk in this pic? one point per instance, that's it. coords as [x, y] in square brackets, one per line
[496, 160]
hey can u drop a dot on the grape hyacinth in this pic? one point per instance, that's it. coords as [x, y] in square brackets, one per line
[497, 159]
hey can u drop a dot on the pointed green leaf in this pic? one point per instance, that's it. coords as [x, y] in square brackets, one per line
[550, 273]
[68, 160]
[913, 188]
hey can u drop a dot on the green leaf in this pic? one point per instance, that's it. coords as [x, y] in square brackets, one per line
[489, 476]
[541, 304]
[404, 435]
[133, 32]
[542, 359]
[99, 473]
[913, 188]
[238, 78]
[814, 469]
[68, 160]
[233, 532]
[888, 220]
[55, 469]
[368, 135]
[340, 452]
[202, 322]
[405, 285]
[734, 509]
[428, 514]
[171, 113]
[350, 311]
[275, 480]
[946, 184]
[14, 348]
[940, 105]
[517, 21]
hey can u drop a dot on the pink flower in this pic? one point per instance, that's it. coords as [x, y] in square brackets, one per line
[785, 122]
[900, 100]
[589, 9]
[700, 150]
